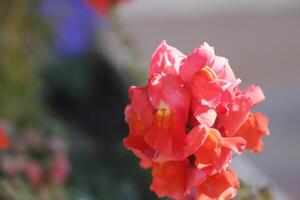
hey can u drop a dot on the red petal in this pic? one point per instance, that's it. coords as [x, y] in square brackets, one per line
[253, 130]
[167, 135]
[213, 156]
[170, 179]
[135, 140]
[222, 186]
[228, 123]
[168, 138]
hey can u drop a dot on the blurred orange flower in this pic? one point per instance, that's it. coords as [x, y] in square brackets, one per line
[4, 140]
[104, 6]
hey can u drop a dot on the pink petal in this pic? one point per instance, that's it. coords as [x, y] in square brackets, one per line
[141, 104]
[237, 144]
[205, 115]
[166, 59]
[255, 94]
[168, 92]
[223, 69]
[196, 177]
[199, 58]
[204, 86]
[195, 139]
[229, 122]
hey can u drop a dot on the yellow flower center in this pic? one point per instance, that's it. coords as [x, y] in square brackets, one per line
[210, 73]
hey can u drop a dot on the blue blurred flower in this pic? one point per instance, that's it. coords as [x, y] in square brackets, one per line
[74, 25]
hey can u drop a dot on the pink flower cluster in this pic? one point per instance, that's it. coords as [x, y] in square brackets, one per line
[185, 123]
[50, 167]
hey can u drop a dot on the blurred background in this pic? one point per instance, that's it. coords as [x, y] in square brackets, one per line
[66, 65]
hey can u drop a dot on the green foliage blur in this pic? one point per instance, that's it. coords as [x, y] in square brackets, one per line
[23, 41]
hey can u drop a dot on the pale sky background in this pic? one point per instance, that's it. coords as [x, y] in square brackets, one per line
[141, 9]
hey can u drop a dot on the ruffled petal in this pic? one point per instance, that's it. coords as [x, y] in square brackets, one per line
[221, 186]
[165, 60]
[238, 110]
[255, 95]
[223, 70]
[213, 156]
[253, 130]
[230, 121]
